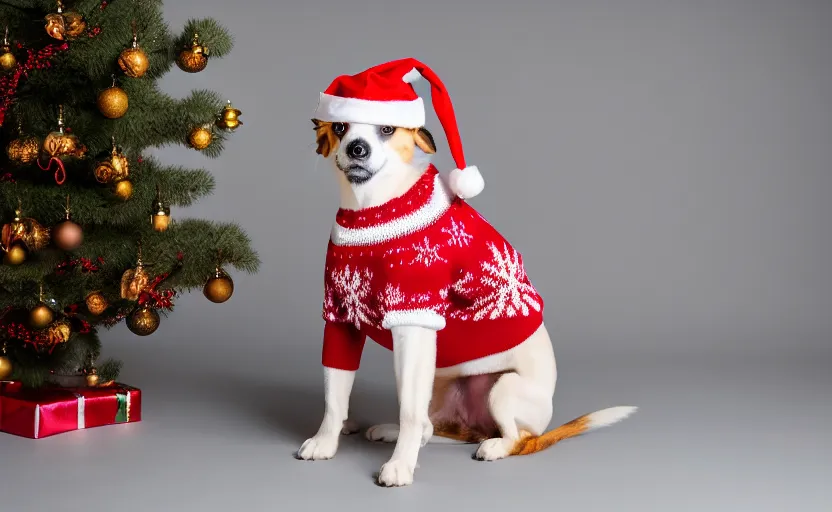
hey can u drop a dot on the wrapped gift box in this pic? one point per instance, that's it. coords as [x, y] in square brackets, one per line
[43, 412]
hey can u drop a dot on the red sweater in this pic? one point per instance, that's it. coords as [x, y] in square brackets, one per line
[424, 259]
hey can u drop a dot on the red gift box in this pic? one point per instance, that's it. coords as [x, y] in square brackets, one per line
[43, 412]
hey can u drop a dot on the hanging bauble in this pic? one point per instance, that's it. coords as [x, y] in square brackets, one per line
[59, 145]
[96, 303]
[193, 57]
[92, 377]
[123, 189]
[41, 316]
[112, 102]
[114, 168]
[160, 218]
[7, 58]
[23, 150]
[200, 137]
[229, 118]
[25, 230]
[134, 280]
[133, 61]
[143, 321]
[15, 255]
[6, 367]
[59, 332]
[219, 287]
[60, 25]
[67, 235]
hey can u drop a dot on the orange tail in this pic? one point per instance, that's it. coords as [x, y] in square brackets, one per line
[587, 422]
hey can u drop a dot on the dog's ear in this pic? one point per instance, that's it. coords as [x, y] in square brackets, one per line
[325, 137]
[424, 140]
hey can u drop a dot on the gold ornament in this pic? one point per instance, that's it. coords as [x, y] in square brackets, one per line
[229, 118]
[134, 280]
[92, 378]
[15, 255]
[112, 101]
[7, 58]
[113, 169]
[59, 332]
[62, 26]
[67, 235]
[58, 145]
[6, 367]
[200, 137]
[133, 61]
[96, 303]
[160, 218]
[219, 287]
[123, 189]
[26, 230]
[143, 321]
[193, 57]
[41, 315]
[24, 150]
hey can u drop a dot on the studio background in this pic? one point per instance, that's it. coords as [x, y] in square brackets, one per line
[663, 167]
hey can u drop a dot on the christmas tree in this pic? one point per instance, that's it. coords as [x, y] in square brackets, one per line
[89, 238]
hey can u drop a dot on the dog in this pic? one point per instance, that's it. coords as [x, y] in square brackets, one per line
[500, 400]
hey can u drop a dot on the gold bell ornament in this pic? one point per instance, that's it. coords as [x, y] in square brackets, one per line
[7, 58]
[134, 280]
[160, 218]
[229, 118]
[24, 149]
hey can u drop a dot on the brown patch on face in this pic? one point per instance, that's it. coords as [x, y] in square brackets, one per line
[405, 140]
[325, 137]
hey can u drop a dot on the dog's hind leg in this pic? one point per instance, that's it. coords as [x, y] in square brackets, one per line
[520, 402]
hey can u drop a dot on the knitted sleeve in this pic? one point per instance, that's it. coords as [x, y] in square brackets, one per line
[343, 346]
[416, 289]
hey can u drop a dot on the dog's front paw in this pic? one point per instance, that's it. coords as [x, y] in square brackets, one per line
[492, 449]
[395, 473]
[386, 433]
[318, 448]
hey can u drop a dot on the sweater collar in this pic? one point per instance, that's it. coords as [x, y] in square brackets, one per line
[417, 208]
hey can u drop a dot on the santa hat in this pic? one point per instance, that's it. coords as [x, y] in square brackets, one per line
[382, 95]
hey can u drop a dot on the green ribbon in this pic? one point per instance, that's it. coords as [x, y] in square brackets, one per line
[121, 415]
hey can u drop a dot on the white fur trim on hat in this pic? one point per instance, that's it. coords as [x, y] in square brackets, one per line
[407, 114]
[466, 183]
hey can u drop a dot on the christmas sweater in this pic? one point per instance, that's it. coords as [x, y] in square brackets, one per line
[424, 259]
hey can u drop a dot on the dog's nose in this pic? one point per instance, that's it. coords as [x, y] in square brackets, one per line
[358, 149]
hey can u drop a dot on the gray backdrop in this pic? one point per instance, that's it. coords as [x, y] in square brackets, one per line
[664, 167]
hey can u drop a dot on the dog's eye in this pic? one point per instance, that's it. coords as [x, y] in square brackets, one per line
[339, 128]
[387, 130]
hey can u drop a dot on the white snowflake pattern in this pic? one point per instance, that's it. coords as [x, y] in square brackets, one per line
[351, 288]
[502, 289]
[427, 253]
[457, 234]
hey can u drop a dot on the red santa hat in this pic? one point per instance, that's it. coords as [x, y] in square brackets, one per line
[383, 95]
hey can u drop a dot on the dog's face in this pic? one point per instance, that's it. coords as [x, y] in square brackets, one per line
[362, 151]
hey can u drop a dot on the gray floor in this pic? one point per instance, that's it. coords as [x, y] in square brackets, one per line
[730, 434]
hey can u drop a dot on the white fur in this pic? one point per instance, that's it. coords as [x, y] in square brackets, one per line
[415, 317]
[610, 416]
[407, 114]
[412, 76]
[520, 399]
[466, 183]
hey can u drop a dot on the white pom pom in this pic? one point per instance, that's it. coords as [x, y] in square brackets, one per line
[466, 183]
[411, 76]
